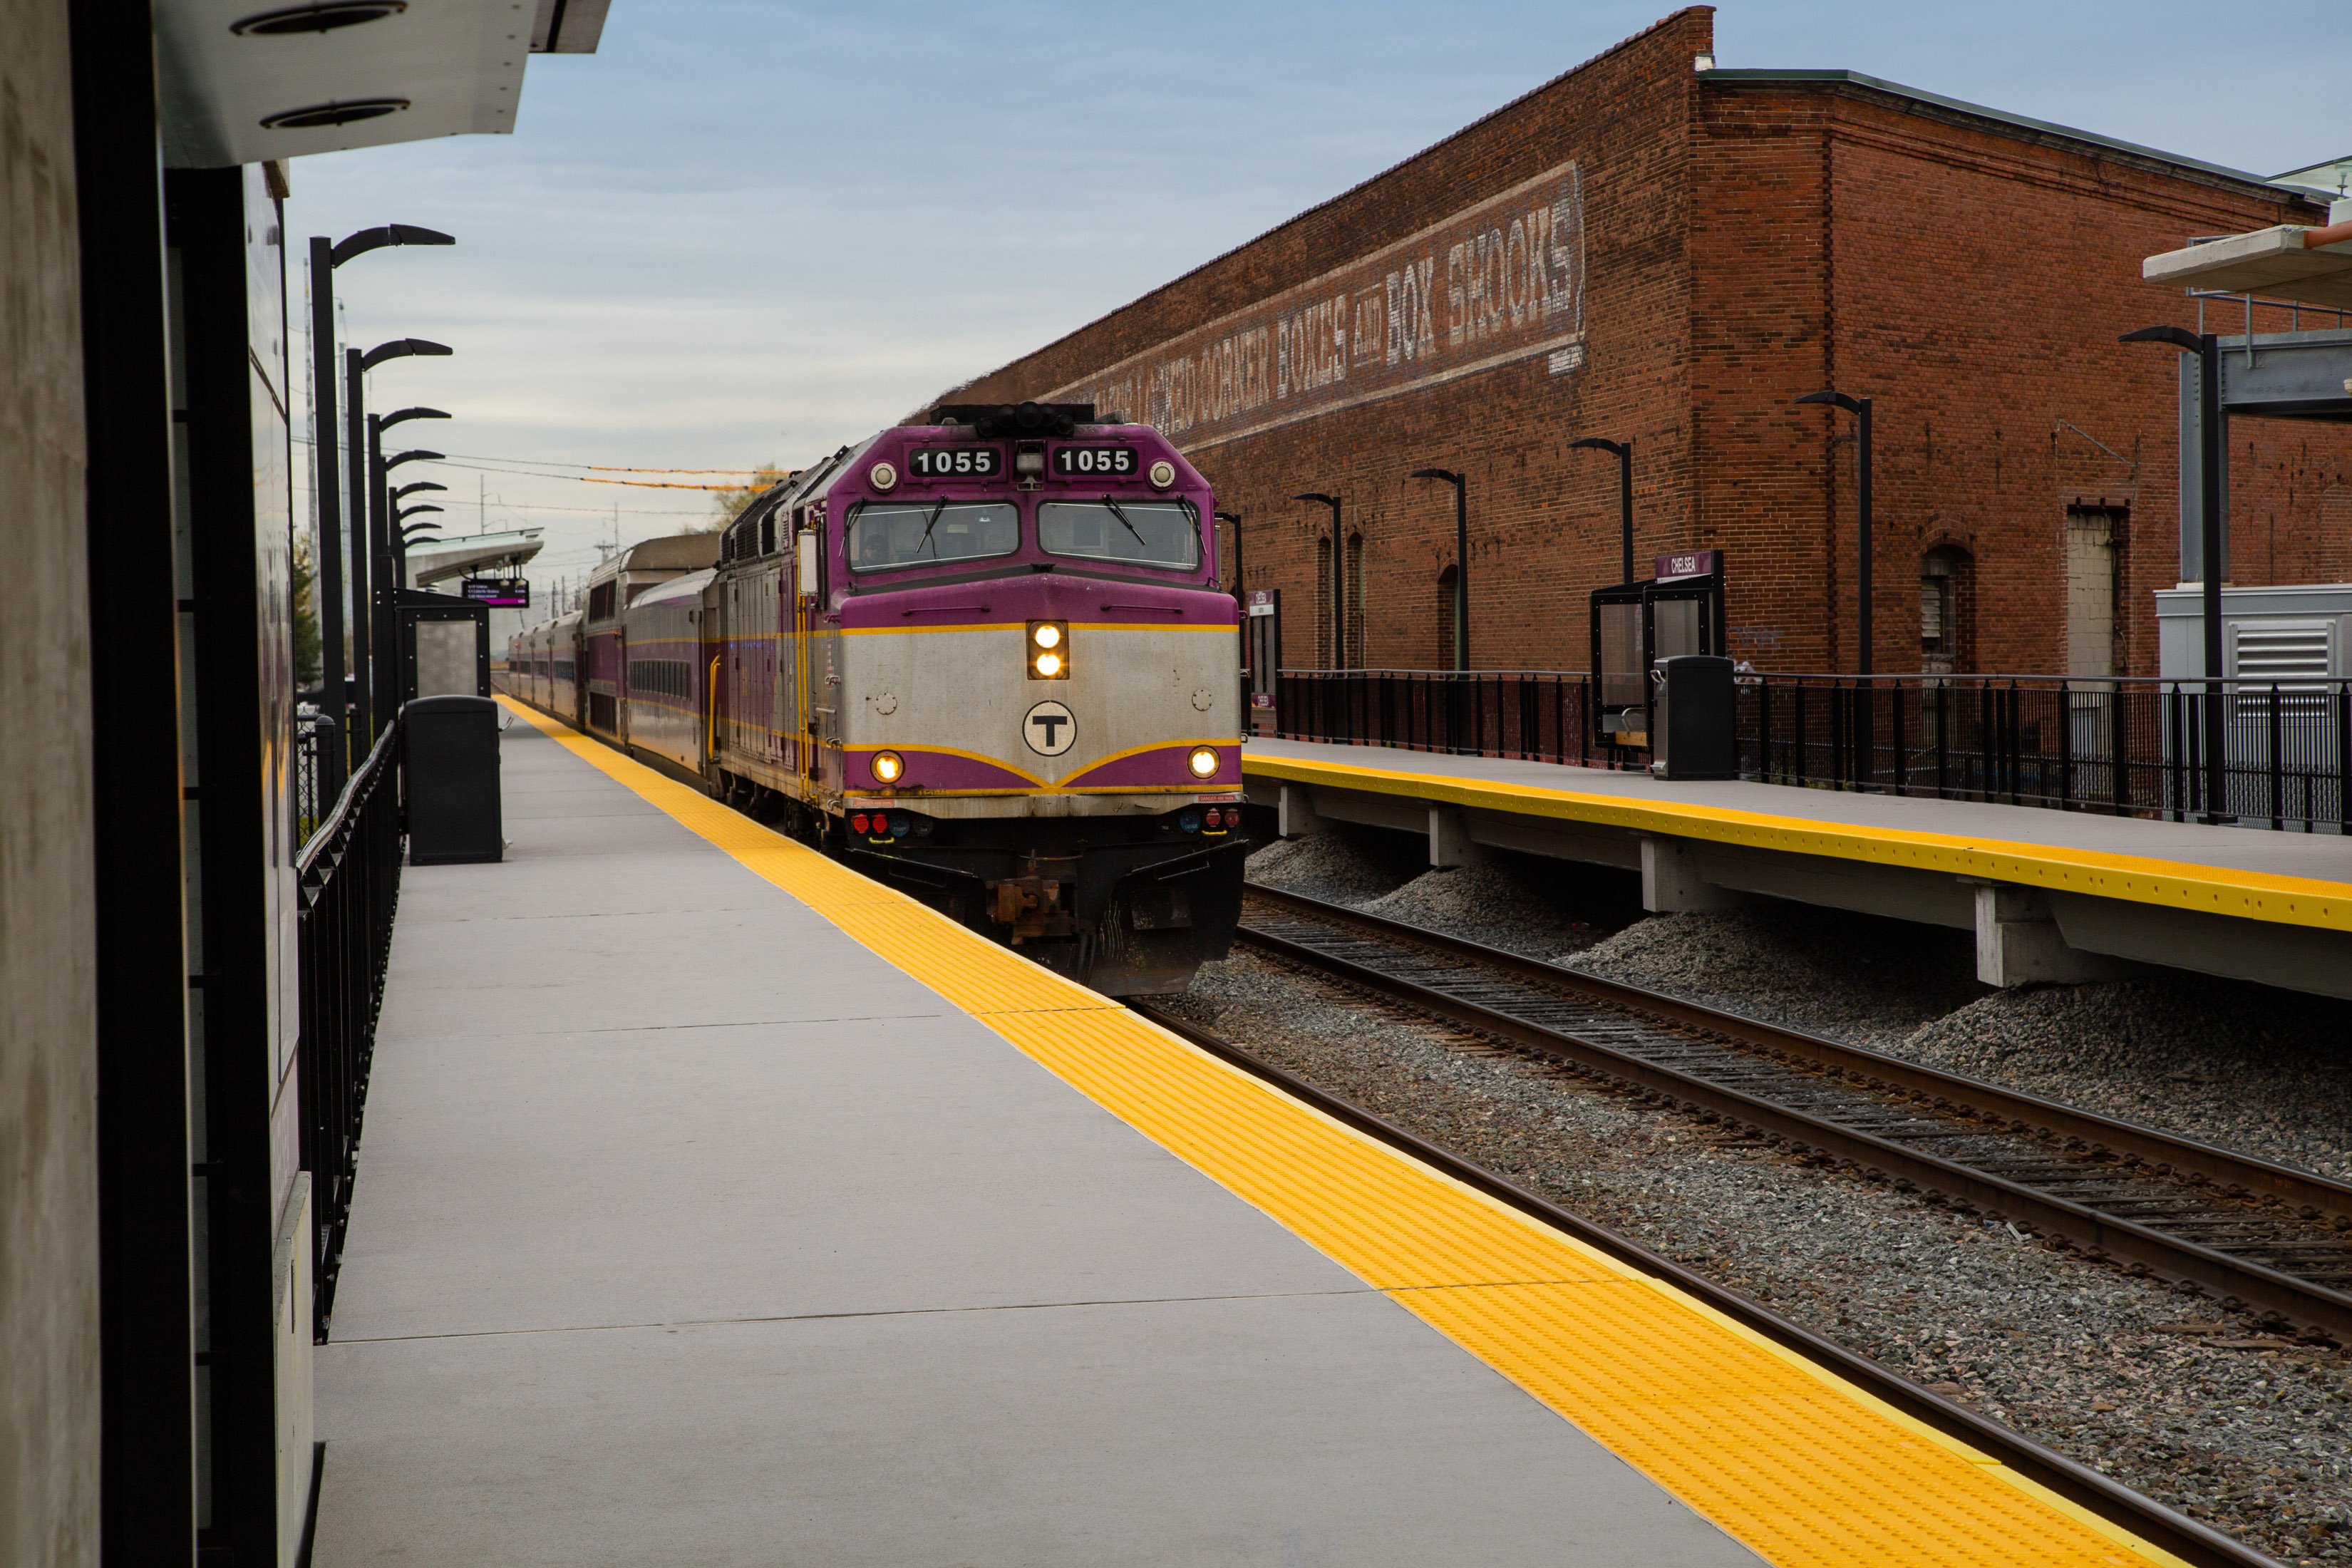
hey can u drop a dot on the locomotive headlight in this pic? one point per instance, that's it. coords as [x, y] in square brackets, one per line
[1049, 650]
[887, 766]
[1161, 473]
[883, 476]
[1204, 761]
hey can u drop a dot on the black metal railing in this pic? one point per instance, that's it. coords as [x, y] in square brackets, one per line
[1539, 715]
[2133, 746]
[350, 872]
[312, 732]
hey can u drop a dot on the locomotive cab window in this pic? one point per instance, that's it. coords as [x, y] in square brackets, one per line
[1165, 533]
[885, 536]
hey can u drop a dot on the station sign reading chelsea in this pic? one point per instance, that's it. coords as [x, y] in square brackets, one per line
[1497, 282]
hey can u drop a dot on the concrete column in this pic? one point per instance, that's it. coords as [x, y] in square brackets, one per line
[48, 1008]
[1449, 839]
[1671, 883]
[2018, 943]
[1296, 812]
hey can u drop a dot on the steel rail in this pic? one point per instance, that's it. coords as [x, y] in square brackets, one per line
[2255, 1285]
[2108, 1499]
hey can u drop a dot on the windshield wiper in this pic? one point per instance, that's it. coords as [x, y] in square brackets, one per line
[1117, 513]
[924, 544]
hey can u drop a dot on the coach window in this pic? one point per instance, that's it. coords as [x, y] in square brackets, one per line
[1164, 533]
[884, 535]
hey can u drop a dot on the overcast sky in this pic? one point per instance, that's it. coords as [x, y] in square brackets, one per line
[753, 230]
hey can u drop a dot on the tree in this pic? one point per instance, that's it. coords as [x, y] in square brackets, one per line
[308, 660]
[728, 504]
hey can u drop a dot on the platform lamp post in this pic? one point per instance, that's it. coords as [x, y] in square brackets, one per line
[365, 635]
[2206, 347]
[1234, 519]
[1461, 558]
[1860, 408]
[399, 546]
[1624, 452]
[325, 256]
[1338, 577]
[403, 534]
[392, 552]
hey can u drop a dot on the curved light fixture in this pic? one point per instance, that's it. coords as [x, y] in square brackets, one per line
[327, 16]
[324, 114]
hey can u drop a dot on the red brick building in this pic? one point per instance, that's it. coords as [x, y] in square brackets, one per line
[1649, 248]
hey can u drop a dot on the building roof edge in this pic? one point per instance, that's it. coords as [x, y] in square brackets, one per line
[1808, 77]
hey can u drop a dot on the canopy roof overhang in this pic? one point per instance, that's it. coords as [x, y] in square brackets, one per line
[437, 561]
[249, 81]
[2278, 263]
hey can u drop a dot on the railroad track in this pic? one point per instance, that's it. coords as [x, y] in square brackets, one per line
[2275, 1241]
[2142, 1516]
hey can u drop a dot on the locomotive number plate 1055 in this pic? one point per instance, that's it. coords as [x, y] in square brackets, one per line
[955, 462]
[1094, 462]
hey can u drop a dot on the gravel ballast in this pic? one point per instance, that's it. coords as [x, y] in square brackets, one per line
[2262, 1071]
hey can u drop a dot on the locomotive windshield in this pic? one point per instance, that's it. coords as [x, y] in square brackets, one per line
[883, 535]
[1133, 532]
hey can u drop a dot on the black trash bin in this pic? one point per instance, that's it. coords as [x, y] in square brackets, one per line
[450, 759]
[1696, 735]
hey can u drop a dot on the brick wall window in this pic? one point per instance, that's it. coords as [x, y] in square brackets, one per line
[2094, 537]
[1946, 611]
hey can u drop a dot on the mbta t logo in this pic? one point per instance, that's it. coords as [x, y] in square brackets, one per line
[1049, 729]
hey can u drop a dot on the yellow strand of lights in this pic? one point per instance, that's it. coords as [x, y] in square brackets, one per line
[657, 484]
[616, 468]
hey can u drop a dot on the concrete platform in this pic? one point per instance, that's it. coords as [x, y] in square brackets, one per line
[719, 1206]
[2051, 896]
[690, 1230]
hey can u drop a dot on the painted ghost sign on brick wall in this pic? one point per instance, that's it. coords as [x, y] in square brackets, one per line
[1493, 284]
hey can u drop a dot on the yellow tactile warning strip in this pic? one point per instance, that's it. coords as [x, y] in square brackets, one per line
[1802, 1467]
[2176, 884]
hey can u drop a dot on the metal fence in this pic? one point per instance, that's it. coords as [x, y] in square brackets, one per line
[2133, 746]
[350, 872]
[1535, 714]
[2125, 745]
[312, 733]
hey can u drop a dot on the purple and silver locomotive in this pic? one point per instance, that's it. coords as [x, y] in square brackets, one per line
[983, 659]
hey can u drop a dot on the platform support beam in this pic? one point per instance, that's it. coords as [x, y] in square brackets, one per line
[1296, 812]
[1450, 844]
[1671, 883]
[2019, 943]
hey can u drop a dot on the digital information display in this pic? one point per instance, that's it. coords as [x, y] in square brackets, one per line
[955, 462]
[1095, 462]
[499, 593]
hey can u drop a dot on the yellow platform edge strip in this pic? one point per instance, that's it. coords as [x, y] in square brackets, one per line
[2175, 884]
[1787, 1456]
